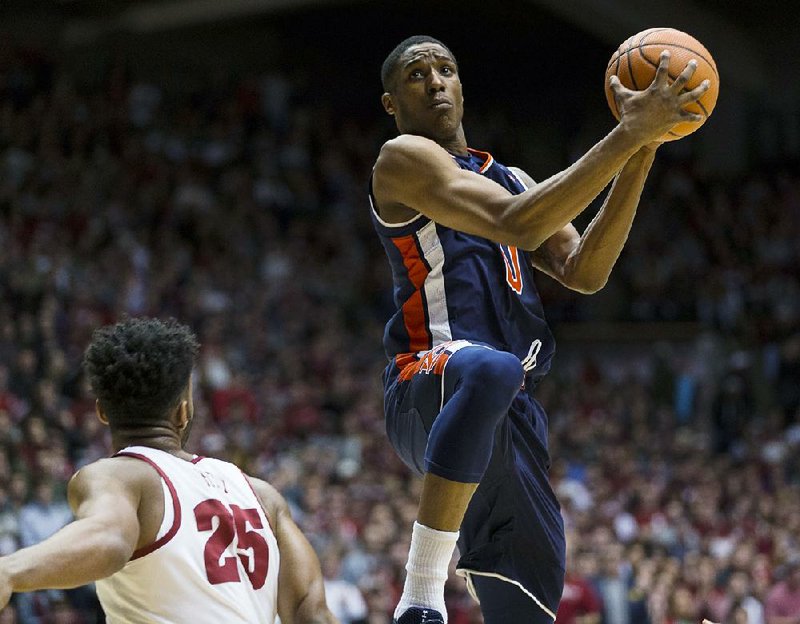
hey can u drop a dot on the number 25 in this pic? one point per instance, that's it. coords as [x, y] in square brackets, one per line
[251, 547]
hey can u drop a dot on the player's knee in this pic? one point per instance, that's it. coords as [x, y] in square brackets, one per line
[497, 372]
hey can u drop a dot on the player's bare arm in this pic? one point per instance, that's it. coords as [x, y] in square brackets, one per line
[104, 497]
[584, 262]
[301, 593]
[415, 175]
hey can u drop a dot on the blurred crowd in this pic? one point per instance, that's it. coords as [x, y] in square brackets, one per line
[241, 210]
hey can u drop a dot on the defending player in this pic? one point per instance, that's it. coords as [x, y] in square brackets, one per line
[469, 341]
[169, 536]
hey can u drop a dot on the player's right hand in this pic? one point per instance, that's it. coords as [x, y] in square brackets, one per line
[649, 114]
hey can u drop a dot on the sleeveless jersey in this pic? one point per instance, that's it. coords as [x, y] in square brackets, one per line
[215, 558]
[449, 285]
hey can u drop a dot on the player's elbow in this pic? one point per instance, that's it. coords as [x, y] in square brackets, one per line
[523, 226]
[312, 609]
[584, 282]
[112, 551]
[587, 285]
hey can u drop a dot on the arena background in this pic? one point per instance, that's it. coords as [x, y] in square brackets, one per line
[208, 160]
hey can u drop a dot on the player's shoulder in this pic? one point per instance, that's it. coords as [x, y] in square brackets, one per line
[409, 150]
[117, 474]
[120, 469]
[271, 500]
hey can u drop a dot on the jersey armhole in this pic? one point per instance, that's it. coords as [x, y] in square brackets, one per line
[373, 206]
[260, 504]
[166, 484]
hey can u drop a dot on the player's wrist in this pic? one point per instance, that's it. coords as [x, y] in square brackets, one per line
[631, 136]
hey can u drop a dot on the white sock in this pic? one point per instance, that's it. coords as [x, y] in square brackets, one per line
[428, 561]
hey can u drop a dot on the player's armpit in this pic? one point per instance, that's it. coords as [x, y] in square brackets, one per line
[98, 543]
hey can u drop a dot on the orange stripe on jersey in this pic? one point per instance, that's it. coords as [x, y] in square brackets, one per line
[438, 367]
[402, 360]
[413, 311]
[489, 159]
[432, 362]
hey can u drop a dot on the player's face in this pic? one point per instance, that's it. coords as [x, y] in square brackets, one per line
[426, 97]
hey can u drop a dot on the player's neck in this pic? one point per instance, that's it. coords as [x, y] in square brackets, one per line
[456, 144]
[156, 439]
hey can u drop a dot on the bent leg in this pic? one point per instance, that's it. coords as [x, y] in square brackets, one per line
[476, 388]
[479, 385]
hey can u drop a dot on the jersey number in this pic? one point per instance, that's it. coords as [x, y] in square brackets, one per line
[513, 273]
[251, 547]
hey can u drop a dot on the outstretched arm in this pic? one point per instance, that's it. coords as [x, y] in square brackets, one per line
[415, 175]
[301, 593]
[98, 543]
[584, 262]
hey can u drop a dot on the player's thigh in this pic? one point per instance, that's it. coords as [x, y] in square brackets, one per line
[416, 395]
[505, 603]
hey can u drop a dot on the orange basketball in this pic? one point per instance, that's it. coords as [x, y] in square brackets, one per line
[636, 60]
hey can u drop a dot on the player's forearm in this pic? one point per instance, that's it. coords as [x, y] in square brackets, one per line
[588, 267]
[553, 203]
[81, 552]
[312, 609]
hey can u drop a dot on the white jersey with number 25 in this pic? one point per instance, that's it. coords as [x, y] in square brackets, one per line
[215, 558]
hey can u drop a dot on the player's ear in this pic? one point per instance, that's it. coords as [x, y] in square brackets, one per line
[101, 415]
[388, 103]
[183, 415]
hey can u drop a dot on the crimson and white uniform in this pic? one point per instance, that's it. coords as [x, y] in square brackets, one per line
[215, 558]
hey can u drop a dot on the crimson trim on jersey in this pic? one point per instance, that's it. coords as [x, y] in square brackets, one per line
[197, 459]
[176, 506]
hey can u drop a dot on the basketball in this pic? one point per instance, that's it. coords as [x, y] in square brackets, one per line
[636, 60]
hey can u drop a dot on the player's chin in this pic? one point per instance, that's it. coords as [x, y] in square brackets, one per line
[446, 122]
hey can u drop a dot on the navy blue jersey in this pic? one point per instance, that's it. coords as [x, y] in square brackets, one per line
[449, 285]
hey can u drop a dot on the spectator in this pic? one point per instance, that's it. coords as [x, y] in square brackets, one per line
[344, 598]
[739, 589]
[580, 603]
[783, 601]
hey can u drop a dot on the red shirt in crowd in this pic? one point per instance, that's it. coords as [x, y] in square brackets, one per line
[579, 598]
[783, 601]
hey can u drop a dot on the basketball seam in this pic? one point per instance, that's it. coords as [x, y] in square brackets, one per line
[630, 65]
[613, 96]
[710, 63]
[673, 78]
[620, 52]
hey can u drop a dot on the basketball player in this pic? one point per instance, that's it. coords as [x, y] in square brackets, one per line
[469, 341]
[167, 535]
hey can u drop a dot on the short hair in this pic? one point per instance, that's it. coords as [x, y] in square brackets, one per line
[138, 369]
[390, 64]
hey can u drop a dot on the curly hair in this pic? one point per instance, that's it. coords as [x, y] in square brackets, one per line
[138, 369]
[390, 64]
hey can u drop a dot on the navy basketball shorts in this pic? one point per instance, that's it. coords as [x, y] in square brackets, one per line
[512, 537]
